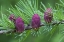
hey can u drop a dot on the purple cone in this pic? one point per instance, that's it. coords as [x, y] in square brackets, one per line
[35, 21]
[48, 16]
[19, 25]
[12, 17]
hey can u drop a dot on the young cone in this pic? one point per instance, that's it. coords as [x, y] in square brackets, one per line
[48, 16]
[36, 22]
[19, 25]
[12, 18]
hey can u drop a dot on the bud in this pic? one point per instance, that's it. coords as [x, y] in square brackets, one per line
[19, 25]
[48, 16]
[12, 17]
[35, 21]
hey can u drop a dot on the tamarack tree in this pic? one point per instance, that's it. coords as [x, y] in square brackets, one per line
[27, 15]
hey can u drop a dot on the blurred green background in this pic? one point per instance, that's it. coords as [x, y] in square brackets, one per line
[43, 37]
[6, 3]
